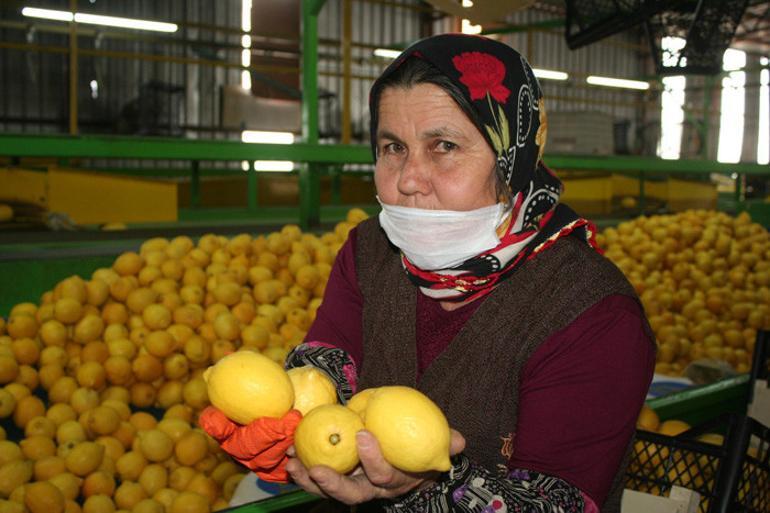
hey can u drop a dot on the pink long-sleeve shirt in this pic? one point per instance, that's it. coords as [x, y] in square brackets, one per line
[579, 393]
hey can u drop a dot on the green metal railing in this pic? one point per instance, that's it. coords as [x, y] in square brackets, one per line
[316, 158]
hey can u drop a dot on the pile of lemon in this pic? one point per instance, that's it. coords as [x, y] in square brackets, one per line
[80, 370]
[704, 279]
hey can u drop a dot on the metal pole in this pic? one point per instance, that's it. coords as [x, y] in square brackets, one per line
[73, 110]
[347, 36]
[252, 186]
[336, 179]
[195, 184]
[309, 181]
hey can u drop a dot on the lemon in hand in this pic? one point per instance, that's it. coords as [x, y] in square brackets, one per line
[312, 388]
[246, 385]
[412, 431]
[360, 401]
[327, 436]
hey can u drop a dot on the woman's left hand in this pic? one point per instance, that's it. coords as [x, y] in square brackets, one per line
[374, 478]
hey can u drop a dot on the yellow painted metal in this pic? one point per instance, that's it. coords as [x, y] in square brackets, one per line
[22, 186]
[625, 186]
[589, 196]
[678, 194]
[92, 198]
[685, 194]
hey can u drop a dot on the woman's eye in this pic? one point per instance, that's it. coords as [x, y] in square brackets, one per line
[446, 146]
[392, 149]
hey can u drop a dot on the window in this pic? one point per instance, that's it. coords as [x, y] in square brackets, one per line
[732, 107]
[671, 102]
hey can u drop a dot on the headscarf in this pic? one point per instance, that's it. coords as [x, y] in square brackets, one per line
[502, 89]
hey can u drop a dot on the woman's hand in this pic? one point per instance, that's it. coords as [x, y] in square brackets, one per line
[374, 478]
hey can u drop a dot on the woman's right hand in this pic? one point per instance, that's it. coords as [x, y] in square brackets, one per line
[261, 445]
[374, 478]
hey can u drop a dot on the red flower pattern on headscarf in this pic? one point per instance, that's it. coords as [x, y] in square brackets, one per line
[482, 73]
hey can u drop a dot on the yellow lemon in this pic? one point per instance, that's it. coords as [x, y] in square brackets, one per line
[312, 388]
[412, 431]
[44, 497]
[360, 401]
[327, 436]
[673, 427]
[648, 420]
[246, 385]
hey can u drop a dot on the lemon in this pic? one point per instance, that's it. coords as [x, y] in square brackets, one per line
[648, 420]
[246, 385]
[360, 401]
[84, 458]
[312, 387]
[327, 436]
[44, 497]
[68, 483]
[673, 427]
[412, 431]
[14, 474]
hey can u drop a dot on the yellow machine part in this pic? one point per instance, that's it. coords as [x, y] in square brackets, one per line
[589, 196]
[678, 194]
[92, 198]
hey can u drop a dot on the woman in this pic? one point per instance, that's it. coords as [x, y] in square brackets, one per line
[477, 287]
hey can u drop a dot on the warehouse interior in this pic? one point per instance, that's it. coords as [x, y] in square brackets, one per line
[214, 132]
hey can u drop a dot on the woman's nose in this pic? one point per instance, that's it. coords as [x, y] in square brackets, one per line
[415, 175]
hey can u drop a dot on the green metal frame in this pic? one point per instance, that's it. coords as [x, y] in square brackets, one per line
[317, 158]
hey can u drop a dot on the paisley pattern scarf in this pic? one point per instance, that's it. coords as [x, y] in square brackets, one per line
[502, 88]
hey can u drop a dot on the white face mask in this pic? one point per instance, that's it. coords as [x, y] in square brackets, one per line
[440, 239]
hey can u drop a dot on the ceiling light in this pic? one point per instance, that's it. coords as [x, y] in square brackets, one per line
[550, 75]
[259, 136]
[98, 19]
[468, 28]
[387, 53]
[47, 14]
[273, 165]
[618, 82]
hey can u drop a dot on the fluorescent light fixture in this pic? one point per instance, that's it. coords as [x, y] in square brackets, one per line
[131, 23]
[273, 165]
[549, 74]
[468, 28]
[97, 19]
[467, 3]
[387, 53]
[47, 14]
[246, 44]
[246, 15]
[259, 136]
[618, 82]
[763, 141]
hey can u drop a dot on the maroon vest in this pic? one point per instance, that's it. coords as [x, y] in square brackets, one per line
[475, 380]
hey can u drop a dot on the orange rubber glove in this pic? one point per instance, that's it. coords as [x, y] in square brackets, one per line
[261, 445]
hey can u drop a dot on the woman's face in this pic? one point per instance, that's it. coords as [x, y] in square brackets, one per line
[430, 155]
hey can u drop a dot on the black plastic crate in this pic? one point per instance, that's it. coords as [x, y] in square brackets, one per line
[731, 477]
